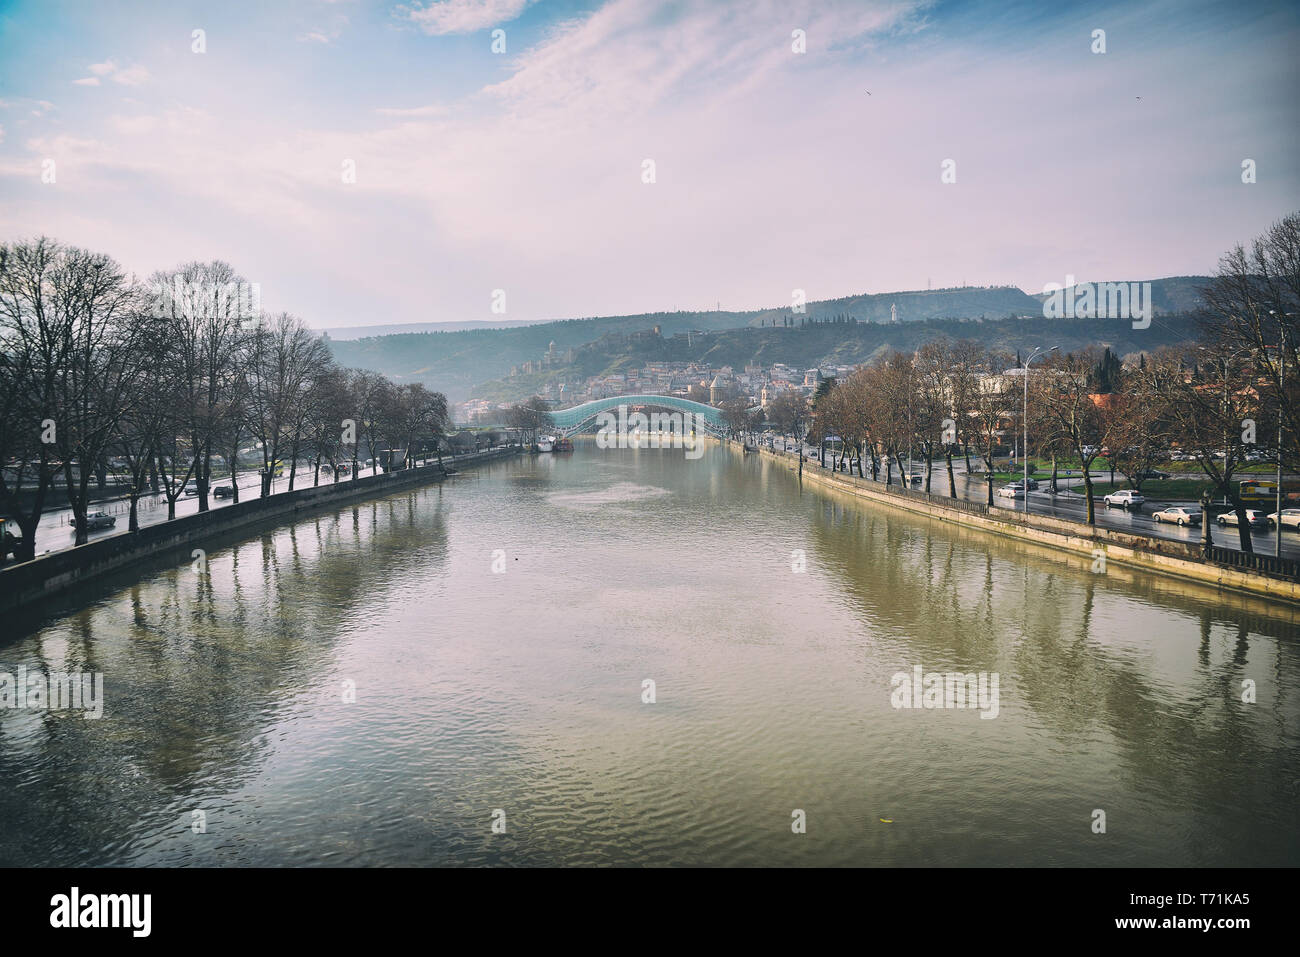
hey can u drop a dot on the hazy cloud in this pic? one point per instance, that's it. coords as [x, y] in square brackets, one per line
[461, 16]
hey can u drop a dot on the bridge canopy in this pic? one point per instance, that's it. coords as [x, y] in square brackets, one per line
[571, 420]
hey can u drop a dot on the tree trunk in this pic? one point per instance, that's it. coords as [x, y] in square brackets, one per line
[1053, 473]
[203, 475]
[1243, 527]
[26, 549]
[234, 476]
[952, 479]
[1087, 490]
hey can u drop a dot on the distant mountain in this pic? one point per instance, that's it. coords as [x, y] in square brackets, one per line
[402, 328]
[455, 357]
[840, 343]
[964, 302]
[1172, 295]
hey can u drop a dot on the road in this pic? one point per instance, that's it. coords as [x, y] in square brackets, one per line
[1071, 504]
[54, 533]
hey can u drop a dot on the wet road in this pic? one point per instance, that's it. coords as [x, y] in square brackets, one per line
[1070, 504]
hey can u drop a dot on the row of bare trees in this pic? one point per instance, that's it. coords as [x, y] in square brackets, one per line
[1224, 402]
[101, 373]
[961, 399]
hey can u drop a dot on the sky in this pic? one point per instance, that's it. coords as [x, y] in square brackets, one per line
[525, 171]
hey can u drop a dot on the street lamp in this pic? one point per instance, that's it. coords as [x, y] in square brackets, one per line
[1281, 386]
[1024, 422]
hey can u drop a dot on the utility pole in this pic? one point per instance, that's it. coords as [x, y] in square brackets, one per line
[1281, 385]
[1024, 422]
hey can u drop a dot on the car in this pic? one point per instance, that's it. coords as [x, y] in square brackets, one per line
[1011, 491]
[1153, 474]
[1178, 515]
[1254, 518]
[222, 491]
[191, 488]
[1290, 518]
[1124, 498]
[96, 520]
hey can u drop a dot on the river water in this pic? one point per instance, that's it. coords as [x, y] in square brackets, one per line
[499, 631]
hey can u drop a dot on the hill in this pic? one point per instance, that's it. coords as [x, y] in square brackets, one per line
[455, 361]
[841, 343]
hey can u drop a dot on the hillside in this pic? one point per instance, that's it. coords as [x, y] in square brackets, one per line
[455, 362]
[831, 343]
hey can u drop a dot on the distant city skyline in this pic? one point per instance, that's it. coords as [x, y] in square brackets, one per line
[522, 171]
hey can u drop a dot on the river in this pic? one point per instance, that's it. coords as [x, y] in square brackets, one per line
[383, 684]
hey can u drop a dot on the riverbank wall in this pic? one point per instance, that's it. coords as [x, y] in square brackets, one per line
[34, 586]
[1259, 575]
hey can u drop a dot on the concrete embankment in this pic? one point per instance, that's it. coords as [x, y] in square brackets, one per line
[39, 585]
[1273, 579]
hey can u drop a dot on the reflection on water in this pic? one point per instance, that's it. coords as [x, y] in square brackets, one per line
[521, 689]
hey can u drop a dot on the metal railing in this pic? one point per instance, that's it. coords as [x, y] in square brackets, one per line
[1287, 568]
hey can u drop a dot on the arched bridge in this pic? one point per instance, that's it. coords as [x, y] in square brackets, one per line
[570, 421]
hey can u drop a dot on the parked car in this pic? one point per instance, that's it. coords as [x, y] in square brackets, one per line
[1178, 515]
[222, 491]
[1254, 518]
[1124, 498]
[96, 520]
[1290, 518]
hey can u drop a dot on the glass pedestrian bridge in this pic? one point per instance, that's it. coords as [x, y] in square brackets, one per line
[572, 420]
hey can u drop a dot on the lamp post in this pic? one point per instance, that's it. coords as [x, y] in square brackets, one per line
[1281, 384]
[1024, 422]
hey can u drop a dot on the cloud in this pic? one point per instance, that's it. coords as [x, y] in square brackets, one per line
[134, 75]
[326, 35]
[433, 109]
[131, 76]
[775, 170]
[461, 16]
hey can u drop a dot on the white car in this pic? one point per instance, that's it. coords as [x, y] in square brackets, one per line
[1124, 498]
[1290, 518]
[1178, 515]
[1254, 518]
[1011, 491]
[96, 520]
